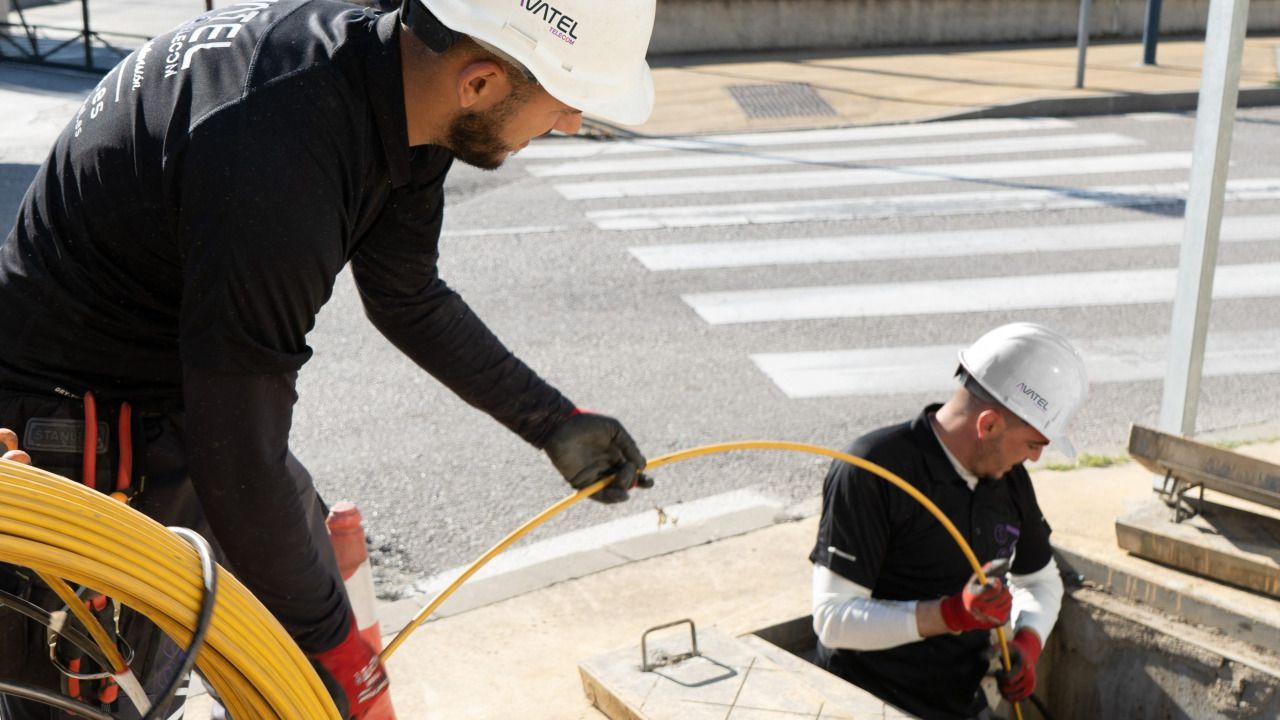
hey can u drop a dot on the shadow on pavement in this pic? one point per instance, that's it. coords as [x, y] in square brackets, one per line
[14, 179]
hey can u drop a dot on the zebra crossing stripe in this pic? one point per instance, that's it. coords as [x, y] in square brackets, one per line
[991, 294]
[914, 246]
[862, 177]
[928, 369]
[560, 149]
[742, 158]
[960, 203]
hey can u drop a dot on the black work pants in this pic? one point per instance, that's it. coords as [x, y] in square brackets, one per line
[166, 495]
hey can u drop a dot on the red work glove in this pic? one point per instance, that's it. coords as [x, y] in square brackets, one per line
[1019, 681]
[359, 674]
[980, 606]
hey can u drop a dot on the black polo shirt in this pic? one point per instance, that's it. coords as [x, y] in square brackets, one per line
[189, 223]
[902, 552]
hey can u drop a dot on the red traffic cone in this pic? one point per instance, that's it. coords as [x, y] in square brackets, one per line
[347, 535]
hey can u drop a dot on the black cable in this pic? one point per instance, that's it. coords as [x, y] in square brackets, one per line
[1044, 711]
[53, 699]
[34, 612]
[209, 572]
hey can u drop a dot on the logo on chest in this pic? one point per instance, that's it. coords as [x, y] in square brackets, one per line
[1006, 537]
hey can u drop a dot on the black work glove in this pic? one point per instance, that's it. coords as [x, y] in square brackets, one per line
[587, 447]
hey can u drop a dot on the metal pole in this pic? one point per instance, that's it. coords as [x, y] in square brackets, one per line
[1082, 40]
[1215, 114]
[1151, 32]
[88, 47]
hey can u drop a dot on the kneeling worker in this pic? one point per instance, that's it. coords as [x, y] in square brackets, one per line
[896, 607]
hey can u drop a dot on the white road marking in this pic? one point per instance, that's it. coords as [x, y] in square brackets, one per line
[914, 246]
[960, 203]
[862, 177]
[742, 158]
[928, 369]
[990, 294]
[520, 230]
[570, 149]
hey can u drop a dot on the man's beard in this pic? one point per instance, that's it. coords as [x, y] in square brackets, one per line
[986, 460]
[476, 137]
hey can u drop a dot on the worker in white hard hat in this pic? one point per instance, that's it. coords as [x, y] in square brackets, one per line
[897, 607]
[172, 253]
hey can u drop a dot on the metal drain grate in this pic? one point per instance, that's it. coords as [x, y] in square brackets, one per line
[780, 100]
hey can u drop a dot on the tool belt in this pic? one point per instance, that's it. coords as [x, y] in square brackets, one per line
[100, 444]
[95, 442]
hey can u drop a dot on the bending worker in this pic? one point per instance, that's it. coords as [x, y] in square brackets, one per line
[895, 606]
[172, 252]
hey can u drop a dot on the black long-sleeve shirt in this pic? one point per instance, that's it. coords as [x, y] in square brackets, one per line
[186, 228]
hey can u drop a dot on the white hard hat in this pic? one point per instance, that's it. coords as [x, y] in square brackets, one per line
[588, 54]
[1035, 373]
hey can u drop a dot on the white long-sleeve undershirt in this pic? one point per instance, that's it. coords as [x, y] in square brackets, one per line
[846, 616]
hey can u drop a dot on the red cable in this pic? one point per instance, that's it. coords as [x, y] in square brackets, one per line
[89, 470]
[124, 471]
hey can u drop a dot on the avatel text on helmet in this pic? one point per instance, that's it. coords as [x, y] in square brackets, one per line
[559, 24]
[1036, 397]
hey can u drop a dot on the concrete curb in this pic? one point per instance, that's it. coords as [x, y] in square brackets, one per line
[1118, 104]
[590, 550]
[1234, 613]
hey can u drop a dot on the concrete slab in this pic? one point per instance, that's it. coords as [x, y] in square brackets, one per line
[731, 680]
[843, 696]
[1224, 543]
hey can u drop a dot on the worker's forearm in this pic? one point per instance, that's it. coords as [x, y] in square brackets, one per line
[929, 621]
[237, 442]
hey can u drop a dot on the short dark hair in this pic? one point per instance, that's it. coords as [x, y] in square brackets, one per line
[521, 76]
[980, 398]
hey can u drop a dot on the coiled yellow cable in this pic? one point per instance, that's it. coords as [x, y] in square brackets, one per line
[62, 529]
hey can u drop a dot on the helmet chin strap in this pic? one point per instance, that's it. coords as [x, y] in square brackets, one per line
[426, 27]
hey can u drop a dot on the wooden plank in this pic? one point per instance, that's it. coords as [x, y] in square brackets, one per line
[1196, 463]
[1222, 542]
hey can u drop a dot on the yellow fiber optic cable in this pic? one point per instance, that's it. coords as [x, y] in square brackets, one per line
[689, 454]
[55, 527]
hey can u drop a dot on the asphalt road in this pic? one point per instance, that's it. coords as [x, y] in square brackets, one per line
[441, 482]
[557, 279]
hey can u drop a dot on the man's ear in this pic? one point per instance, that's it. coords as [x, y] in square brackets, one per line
[481, 84]
[990, 424]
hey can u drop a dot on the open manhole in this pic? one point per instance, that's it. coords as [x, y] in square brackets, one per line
[1112, 658]
[779, 100]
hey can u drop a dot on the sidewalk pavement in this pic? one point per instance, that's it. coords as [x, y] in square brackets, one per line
[696, 93]
[914, 85]
[518, 657]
